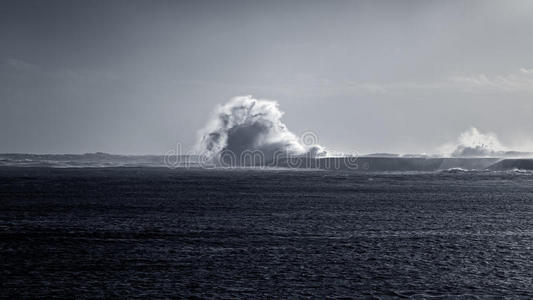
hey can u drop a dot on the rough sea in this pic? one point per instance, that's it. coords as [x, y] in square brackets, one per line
[141, 232]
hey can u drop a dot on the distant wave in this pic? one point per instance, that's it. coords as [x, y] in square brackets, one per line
[474, 143]
[455, 170]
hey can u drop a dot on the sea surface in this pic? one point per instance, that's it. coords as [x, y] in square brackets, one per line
[245, 233]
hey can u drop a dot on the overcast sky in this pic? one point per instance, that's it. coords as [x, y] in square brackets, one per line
[137, 77]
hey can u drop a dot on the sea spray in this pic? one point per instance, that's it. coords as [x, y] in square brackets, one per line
[474, 143]
[246, 124]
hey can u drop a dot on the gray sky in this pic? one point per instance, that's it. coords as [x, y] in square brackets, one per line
[136, 77]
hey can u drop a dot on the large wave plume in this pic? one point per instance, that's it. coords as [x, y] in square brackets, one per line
[474, 143]
[248, 124]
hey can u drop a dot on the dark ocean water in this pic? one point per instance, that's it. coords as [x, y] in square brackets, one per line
[156, 233]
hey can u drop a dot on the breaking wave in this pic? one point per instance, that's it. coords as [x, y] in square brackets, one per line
[248, 124]
[454, 170]
[474, 143]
